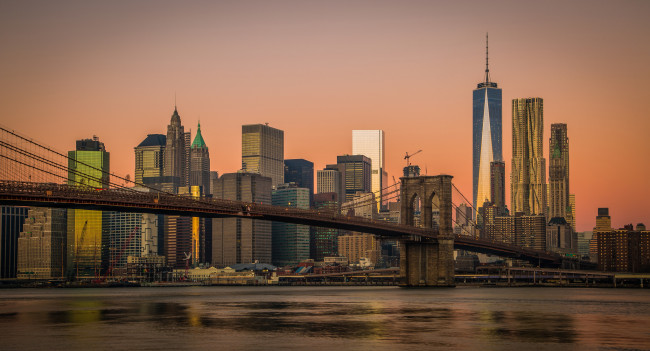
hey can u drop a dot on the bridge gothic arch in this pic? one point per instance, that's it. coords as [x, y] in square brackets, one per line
[434, 193]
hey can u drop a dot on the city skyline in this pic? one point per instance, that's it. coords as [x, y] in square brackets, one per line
[335, 69]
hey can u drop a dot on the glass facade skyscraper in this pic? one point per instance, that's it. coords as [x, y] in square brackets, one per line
[356, 171]
[486, 136]
[370, 143]
[88, 166]
[290, 241]
[301, 172]
[262, 151]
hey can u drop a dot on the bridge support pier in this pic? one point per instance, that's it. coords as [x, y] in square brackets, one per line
[427, 263]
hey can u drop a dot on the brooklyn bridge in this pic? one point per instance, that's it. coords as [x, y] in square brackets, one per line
[32, 174]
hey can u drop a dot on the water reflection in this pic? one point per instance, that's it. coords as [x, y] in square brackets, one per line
[430, 319]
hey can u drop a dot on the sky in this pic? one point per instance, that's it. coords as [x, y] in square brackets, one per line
[319, 69]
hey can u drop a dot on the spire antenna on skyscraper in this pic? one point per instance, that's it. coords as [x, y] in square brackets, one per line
[487, 69]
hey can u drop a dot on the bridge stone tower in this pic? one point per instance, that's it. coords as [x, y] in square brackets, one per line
[423, 261]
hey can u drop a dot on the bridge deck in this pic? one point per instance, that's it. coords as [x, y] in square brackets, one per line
[129, 200]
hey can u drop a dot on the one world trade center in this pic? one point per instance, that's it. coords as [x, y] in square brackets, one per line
[486, 143]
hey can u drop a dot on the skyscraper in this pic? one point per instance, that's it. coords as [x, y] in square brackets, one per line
[149, 160]
[11, 225]
[558, 173]
[200, 163]
[42, 244]
[88, 165]
[323, 241]
[370, 143]
[176, 162]
[262, 151]
[486, 144]
[290, 241]
[124, 233]
[528, 173]
[300, 172]
[237, 240]
[498, 186]
[330, 180]
[356, 173]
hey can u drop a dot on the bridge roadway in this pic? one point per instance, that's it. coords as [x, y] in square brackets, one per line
[127, 200]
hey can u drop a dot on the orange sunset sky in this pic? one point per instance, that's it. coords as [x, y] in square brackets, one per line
[319, 69]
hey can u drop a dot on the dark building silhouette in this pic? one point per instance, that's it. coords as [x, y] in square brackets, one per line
[301, 172]
[12, 220]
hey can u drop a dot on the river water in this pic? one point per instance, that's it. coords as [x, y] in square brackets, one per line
[324, 318]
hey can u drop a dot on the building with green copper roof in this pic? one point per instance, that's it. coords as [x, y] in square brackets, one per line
[200, 163]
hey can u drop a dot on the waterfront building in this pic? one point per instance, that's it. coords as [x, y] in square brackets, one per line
[533, 232]
[200, 164]
[603, 225]
[558, 173]
[124, 234]
[150, 231]
[300, 172]
[89, 166]
[324, 241]
[241, 240]
[560, 237]
[583, 239]
[177, 155]
[263, 152]
[178, 241]
[11, 225]
[370, 143]
[486, 134]
[624, 250]
[356, 171]
[360, 246]
[506, 229]
[487, 216]
[528, 173]
[149, 161]
[42, 244]
[290, 241]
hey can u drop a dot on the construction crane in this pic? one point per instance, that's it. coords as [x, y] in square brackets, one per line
[408, 157]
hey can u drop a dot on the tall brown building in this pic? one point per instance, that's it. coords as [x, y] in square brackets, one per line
[498, 186]
[558, 173]
[623, 250]
[528, 173]
[241, 240]
[357, 246]
[176, 155]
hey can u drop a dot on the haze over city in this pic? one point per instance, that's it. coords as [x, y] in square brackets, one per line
[318, 70]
